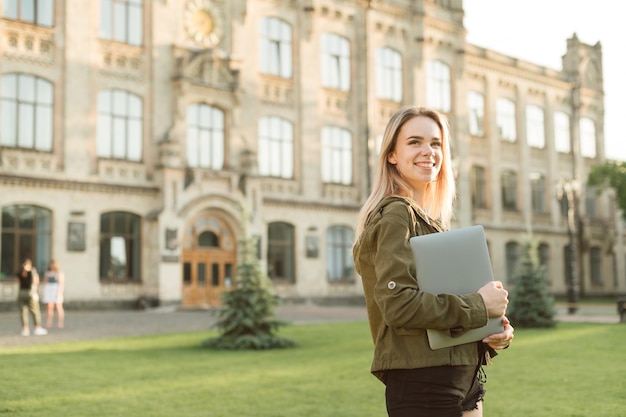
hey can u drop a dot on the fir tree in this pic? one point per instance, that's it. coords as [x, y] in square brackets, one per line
[248, 320]
[530, 304]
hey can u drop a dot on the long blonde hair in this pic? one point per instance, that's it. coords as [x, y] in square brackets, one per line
[440, 194]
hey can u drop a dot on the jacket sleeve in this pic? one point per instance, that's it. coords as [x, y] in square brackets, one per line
[396, 291]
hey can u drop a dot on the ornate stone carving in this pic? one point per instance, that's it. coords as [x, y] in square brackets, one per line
[206, 67]
[29, 43]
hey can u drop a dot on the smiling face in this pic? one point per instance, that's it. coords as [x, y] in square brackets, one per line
[418, 154]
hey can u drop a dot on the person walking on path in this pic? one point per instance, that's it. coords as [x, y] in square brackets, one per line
[413, 195]
[53, 284]
[28, 298]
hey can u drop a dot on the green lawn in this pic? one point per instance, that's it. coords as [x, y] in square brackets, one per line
[574, 370]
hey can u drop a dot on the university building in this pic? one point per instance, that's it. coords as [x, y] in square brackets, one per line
[140, 140]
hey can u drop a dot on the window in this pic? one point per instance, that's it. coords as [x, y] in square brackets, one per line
[562, 141]
[335, 62]
[26, 233]
[26, 112]
[538, 192]
[508, 181]
[512, 257]
[543, 252]
[38, 12]
[280, 252]
[479, 187]
[205, 136]
[567, 264]
[339, 261]
[438, 85]
[587, 138]
[275, 147]
[336, 155]
[120, 246]
[275, 47]
[535, 131]
[120, 131]
[122, 21]
[476, 107]
[505, 119]
[595, 266]
[388, 74]
[591, 202]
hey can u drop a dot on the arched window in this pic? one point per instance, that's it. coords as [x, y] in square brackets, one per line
[339, 261]
[120, 125]
[336, 155]
[335, 61]
[208, 239]
[275, 47]
[120, 246]
[388, 74]
[281, 251]
[205, 136]
[438, 85]
[26, 233]
[276, 147]
[26, 112]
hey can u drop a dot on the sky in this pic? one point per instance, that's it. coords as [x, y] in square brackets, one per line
[537, 31]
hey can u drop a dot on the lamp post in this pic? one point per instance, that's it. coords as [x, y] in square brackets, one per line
[568, 191]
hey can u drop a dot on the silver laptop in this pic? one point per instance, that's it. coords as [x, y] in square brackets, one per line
[454, 262]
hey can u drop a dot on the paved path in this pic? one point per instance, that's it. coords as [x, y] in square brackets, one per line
[89, 325]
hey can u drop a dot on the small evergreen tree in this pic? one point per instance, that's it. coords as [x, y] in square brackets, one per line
[530, 304]
[247, 320]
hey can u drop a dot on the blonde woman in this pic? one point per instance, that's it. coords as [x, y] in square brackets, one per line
[413, 195]
[53, 286]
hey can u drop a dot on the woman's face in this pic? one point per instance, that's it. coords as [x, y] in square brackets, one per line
[418, 152]
[27, 265]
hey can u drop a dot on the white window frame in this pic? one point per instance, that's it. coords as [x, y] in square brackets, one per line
[275, 47]
[336, 155]
[276, 147]
[205, 136]
[438, 88]
[339, 261]
[535, 127]
[335, 51]
[120, 125]
[37, 12]
[122, 21]
[562, 133]
[587, 137]
[388, 74]
[476, 110]
[506, 120]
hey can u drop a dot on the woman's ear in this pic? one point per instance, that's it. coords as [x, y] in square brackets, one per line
[391, 158]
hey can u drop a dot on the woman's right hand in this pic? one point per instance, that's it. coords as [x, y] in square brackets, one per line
[495, 298]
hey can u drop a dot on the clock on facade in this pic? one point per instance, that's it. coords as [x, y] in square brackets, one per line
[203, 22]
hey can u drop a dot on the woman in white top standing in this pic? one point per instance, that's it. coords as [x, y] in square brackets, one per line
[53, 282]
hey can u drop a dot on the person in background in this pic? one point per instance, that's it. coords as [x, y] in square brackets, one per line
[53, 284]
[28, 298]
[413, 195]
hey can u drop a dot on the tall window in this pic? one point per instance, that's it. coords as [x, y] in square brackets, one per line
[38, 12]
[281, 252]
[508, 181]
[388, 74]
[562, 141]
[538, 192]
[120, 130]
[591, 202]
[505, 119]
[26, 233]
[120, 246]
[205, 136]
[438, 85]
[275, 47]
[587, 138]
[335, 62]
[479, 187]
[26, 112]
[336, 155]
[535, 130]
[122, 21]
[595, 266]
[512, 257]
[339, 261]
[275, 147]
[543, 251]
[476, 107]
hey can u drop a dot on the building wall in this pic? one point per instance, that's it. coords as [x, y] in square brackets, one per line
[176, 67]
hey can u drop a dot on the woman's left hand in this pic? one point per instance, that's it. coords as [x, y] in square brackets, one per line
[501, 340]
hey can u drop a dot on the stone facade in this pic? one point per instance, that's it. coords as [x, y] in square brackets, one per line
[206, 51]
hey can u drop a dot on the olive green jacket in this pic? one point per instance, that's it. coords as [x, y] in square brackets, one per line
[399, 313]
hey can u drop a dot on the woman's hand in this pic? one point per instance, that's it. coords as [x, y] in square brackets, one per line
[501, 340]
[495, 298]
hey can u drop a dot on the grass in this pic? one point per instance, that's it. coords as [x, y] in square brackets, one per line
[573, 370]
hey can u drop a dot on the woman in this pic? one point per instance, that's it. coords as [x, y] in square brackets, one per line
[413, 195]
[28, 298]
[53, 284]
